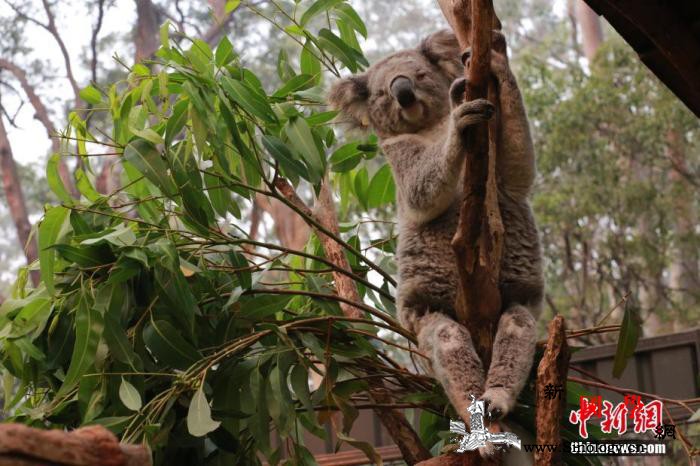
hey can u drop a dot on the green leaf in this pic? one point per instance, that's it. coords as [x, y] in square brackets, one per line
[165, 35]
[224, 52]
[231, 5]
[333, 44]
[317, 8]
[168, 346]
[321, 118]
[627, 341]
[290, 166]
[219, 194]
[199, 421]
[54, 180]
[308, 61]
[91, 95]
[297, 83]
[381, 189]
[300, 384]
[361, 185]
[176, 121]
[129, 395]
[302, 140]
[249, 99]
[146, 158]
[346, 158]
[365, 447]
[120, 236]
[88, 331]
[175, 293]
[85, 186]
[32, 317]
[49, 230]
[113, 299]
[149, 135]
[347, 13]
[83, 256]
[262, 306]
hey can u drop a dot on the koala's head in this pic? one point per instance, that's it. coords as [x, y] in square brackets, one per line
[404, 92]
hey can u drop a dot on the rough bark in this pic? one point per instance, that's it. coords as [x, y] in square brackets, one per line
[345, 286]
[479, 238]
[552, 370]
[394, 421]
[15, 201]
[591, 29]
[146, 34]
[88, 446]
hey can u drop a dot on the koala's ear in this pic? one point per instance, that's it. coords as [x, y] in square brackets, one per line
[442, 49]
[350, 96]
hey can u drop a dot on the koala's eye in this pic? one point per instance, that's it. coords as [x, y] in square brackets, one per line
[421, 75]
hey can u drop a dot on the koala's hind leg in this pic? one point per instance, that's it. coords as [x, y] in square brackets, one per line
[513, 351]
[453, 359]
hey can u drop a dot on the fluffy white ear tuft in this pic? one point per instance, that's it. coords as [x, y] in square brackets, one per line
[442, 49]
[350, 96]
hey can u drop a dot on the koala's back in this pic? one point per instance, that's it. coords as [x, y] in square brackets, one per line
[428, 277]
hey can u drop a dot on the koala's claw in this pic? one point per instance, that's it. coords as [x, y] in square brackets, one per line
[498, 403]
[466, 56]
[457, 90]
[473, 112]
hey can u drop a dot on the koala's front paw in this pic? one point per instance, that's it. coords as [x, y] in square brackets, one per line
[498, 402]
[471, 113]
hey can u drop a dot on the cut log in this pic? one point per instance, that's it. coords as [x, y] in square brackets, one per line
[88, 446]
[552, 371]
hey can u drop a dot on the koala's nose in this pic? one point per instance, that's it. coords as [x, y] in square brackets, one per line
[402, 89]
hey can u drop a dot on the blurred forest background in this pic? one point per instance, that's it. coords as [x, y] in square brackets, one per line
[619, 183]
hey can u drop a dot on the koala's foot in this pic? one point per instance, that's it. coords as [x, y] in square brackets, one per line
[490, 450]
[513, 352]
[498, 402]
[471, 113]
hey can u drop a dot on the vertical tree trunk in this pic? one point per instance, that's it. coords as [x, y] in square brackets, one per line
[591, 29]
[684, 273]
[15, 201]
[146, 34]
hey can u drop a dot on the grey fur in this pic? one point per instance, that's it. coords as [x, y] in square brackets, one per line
[425, 147]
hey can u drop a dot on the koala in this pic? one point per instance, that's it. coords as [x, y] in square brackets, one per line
[413, 100]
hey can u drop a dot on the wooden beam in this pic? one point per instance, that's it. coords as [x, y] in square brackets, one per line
[664, 38]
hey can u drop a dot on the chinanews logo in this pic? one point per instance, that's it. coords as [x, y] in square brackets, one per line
[627, 416]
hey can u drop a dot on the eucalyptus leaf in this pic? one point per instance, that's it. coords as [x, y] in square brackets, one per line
[199, 421]
[129, 395]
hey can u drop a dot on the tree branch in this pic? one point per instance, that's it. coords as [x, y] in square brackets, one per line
[27, 446]
[93, 39]
[550, 411]
[42, 114]
[478, 241]
[15, 201]
[328, 231]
